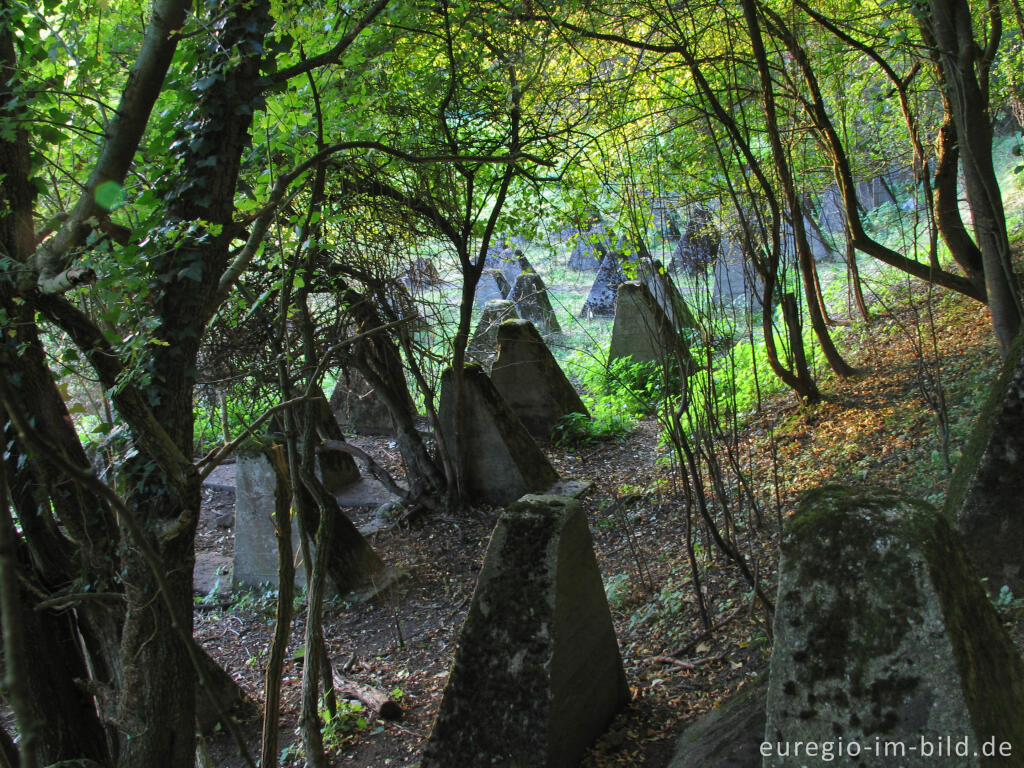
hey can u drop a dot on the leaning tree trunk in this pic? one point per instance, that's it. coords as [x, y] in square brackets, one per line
[380, 363]
[803, 249]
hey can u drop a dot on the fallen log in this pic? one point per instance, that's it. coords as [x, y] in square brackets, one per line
[374, 699]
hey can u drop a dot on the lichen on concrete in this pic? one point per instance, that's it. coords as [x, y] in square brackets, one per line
[515, 696]
[986, 493]
[530, 379]
[882, 631]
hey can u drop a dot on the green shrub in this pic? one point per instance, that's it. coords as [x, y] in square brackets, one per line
[605, 423]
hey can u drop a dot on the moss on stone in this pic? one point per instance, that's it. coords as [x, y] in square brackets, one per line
[970, 458]
[506, 702]
[841, 536]
[882, 628]
[990, 668]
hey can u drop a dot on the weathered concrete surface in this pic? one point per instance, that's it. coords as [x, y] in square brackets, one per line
[882, 631]
[255, 560]
[492, 287]
[336, 470]
[698, 247]
[642, 330]
[601, 299]
[530, 296]
[735, 279]
[512, 263]
[537, 674]
[653, 275]
[592, 245]
[730, 735]
[483, 345]
[986, 493]
[530, 380]
[501, 460]
[356, 406]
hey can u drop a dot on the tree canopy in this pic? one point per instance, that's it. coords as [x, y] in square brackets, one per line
[204, 202]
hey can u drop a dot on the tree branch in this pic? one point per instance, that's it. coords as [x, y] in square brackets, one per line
[148, 433]
[327, 57]
[124, 132]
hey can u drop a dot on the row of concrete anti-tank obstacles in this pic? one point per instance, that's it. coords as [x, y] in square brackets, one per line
[887, 649]
[884, 638]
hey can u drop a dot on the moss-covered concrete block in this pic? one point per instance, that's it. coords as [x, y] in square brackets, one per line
[500, 459]
[642, 330]
[730, 735]
[530, 380]
[483, 345]
[601, 299]
[986, 493]
[357, 406]
[663, 289]
[537, 675]
[883, 635]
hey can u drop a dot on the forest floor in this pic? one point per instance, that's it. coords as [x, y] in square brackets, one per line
[879, 427]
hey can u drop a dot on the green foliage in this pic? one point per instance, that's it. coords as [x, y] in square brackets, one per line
[617, 590]
[616, 395]
[604, 423]
[346, 724]
[261, 600]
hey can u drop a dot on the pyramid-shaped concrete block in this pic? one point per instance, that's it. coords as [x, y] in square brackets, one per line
[883, 633]
[527, 375]
[642, 330]
[500, 458]
[256, 551]
[601, 299]
[492, 287]
[592, 244]
[537, 675]
[663, 289]
[986, 493]
[357, 406]
[531, 299]
[483, 345]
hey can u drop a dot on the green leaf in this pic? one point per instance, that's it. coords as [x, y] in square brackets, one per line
[109, 195]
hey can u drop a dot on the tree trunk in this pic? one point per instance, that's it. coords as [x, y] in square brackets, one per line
[283, 617]
[158, 697]
[965, 75]
[380, 363]
[946, 203]
[803, 248]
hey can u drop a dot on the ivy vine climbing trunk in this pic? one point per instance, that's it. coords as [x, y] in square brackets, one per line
[157, 703]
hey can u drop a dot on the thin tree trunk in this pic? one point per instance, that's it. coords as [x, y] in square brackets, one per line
[853, 272]
[965, 69]
[283, 617]
[14, 640]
